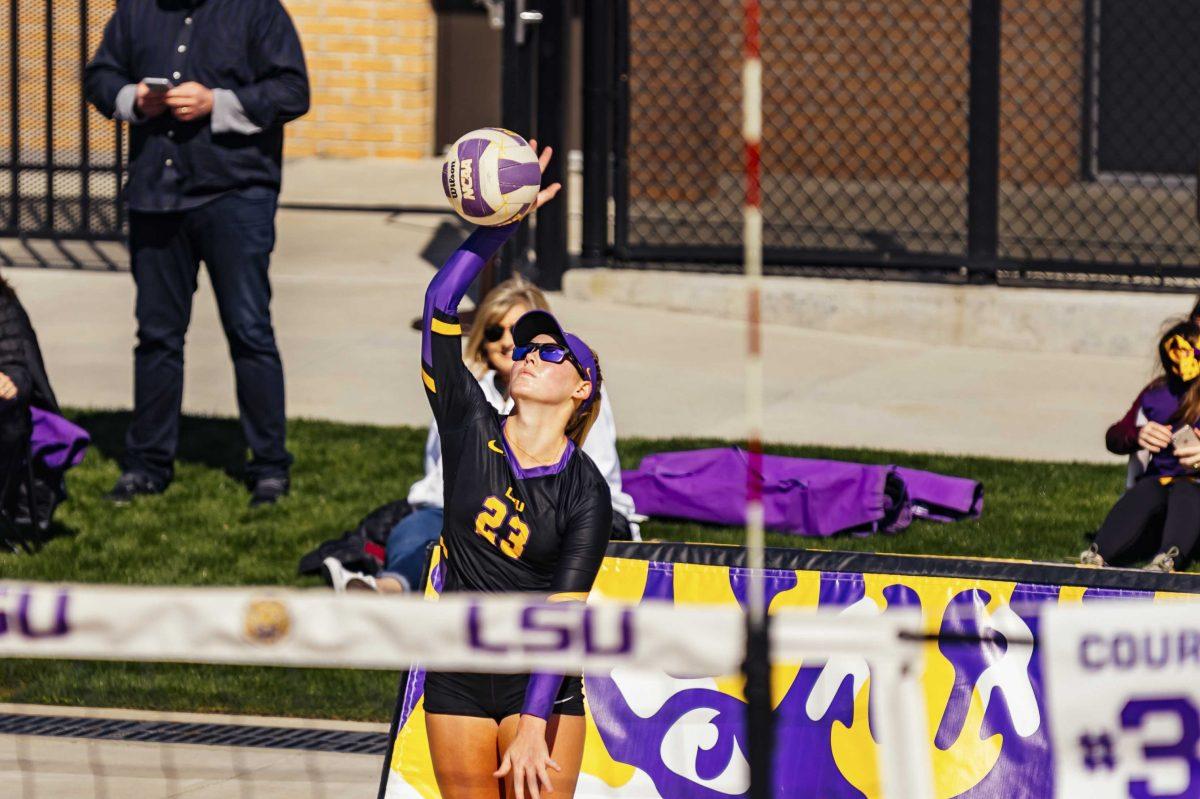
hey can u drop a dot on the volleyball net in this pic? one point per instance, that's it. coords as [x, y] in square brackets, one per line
[704, 645]
[880, 685]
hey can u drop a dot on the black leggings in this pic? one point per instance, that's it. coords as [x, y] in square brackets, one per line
[15, 427]
[1146, 509]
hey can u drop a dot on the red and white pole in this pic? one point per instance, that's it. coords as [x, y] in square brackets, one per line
[752, 255]
[757, 670]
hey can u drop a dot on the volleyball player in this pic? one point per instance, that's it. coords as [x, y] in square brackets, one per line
[525, 510]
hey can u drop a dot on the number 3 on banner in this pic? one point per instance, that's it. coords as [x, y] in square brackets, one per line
[1183, 751]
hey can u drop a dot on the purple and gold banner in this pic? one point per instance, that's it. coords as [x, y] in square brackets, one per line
[656, 735]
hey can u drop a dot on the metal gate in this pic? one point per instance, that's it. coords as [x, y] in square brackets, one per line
[919, 138]
[61, 163]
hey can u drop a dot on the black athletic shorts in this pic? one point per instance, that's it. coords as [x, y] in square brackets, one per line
[492, 696]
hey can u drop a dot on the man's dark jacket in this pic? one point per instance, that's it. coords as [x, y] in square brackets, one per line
[249, 47]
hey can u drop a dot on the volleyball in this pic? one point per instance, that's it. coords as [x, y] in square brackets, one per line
[491, 176]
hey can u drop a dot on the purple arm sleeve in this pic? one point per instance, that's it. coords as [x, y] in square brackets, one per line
[540, 694]
[452, 280]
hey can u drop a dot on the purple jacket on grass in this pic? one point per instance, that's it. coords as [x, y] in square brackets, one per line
[800, 496]
[57, 443]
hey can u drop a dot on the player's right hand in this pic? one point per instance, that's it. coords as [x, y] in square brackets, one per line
[1154, 437]
[547, 194]
[150, 104]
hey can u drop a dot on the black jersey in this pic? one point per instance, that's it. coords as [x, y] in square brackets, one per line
[505, 528]
[508, 528]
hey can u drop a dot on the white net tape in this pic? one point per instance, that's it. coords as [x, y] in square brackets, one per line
[461, 632]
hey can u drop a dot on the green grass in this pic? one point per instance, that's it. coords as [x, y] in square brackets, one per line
[201, 532]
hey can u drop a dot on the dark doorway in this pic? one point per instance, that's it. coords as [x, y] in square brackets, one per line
[468, 75]
[1147, 100]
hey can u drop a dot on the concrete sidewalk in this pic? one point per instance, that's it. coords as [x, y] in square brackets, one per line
[39, 767]
[348, 285]
[964, 369]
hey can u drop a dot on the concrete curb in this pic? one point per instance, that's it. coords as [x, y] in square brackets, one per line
[991, 317]
[192, 718]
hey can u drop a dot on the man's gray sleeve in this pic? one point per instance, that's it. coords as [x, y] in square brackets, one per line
[228, 115]
[126, 105]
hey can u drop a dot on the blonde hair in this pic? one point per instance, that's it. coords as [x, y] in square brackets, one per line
[498, 302]
[582, 420]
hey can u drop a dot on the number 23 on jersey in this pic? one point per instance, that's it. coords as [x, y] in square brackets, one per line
[501, 526]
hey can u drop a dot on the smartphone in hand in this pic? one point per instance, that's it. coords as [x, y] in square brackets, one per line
[157, 85]
[1184, 437]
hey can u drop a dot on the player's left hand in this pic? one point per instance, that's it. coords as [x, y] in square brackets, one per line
[190, 101]
[527, 759]
[547, 194]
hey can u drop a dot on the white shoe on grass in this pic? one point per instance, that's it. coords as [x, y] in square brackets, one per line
[1164, 562]
[344, 580]
[1091, 557]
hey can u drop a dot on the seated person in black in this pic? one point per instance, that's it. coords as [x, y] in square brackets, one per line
[525, 510]
[37, 445]
[23, 380]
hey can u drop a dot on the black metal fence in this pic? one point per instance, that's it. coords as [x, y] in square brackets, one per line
[61, 163]
[1037, 139]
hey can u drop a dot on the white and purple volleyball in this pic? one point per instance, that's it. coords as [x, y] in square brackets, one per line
[491, 176]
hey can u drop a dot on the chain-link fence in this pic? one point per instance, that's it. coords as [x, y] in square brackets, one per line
[1012, 137]
[61, 163]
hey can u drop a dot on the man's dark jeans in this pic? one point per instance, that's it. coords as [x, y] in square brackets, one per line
[234, 236]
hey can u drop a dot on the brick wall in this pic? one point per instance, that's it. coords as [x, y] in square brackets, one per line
[371, 64]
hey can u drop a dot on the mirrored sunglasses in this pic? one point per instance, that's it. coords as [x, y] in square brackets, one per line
[549, 352]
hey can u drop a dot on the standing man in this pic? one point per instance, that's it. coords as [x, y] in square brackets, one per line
[206, 86]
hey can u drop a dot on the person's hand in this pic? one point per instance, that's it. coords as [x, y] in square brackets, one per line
[547, 194]
[1154, 437]
[149, 104]
[8, 389]
[1189, 457]
[190, 101]
[527, 758]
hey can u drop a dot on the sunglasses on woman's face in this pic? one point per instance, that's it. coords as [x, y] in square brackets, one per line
[548, 352]
[494, 333]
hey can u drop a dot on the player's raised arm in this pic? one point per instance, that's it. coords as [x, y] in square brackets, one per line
[447, 380]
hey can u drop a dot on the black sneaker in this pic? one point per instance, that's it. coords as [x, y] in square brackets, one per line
[132, 484]
[268, 490]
